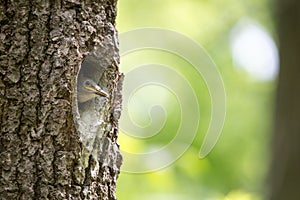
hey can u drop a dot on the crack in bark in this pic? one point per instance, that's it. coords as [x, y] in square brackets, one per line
[37, 184]
[86, 178]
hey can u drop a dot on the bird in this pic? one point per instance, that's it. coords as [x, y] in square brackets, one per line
[89, 73]
[88, 89]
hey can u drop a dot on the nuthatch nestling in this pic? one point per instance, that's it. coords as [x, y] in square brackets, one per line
[87, 88]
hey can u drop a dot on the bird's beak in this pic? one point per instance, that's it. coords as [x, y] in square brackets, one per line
[97, 90]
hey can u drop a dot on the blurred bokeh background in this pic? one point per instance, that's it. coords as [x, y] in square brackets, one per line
[241, 39]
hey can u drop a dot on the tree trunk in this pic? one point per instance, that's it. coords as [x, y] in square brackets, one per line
[285, 169]
[43, 155]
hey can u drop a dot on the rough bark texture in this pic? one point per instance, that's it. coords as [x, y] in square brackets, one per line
[285, 169]
[42, 44]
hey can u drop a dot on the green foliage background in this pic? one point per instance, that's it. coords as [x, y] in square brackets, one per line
[237, 167]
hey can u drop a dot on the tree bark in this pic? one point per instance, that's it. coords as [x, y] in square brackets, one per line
[43, 44]
[285, 168]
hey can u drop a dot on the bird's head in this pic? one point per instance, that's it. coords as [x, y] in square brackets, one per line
[88, 89]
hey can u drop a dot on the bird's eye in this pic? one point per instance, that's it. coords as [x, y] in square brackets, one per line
[87, 83]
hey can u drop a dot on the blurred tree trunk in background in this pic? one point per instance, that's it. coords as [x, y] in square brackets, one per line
[285, 168]
[42, 44]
